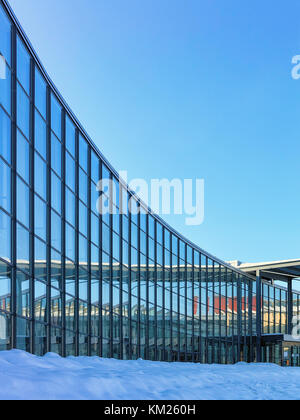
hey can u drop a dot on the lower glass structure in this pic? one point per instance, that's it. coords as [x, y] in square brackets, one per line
[77, 281]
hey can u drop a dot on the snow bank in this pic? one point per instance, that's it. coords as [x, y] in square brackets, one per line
[24, 376]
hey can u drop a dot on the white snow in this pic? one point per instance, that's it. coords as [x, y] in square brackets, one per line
[24, 376]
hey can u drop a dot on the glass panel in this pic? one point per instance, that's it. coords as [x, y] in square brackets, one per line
[22, 202]
[55, 231]
[23, 65]
[55, 116]
[95, 229]
[5, 289]
[82, 250]
[40, 214]
[70, 136]
[40, 176]
[82, 218]
[5, 190]
[40, 301]
[70, 172]
[40, 259]
[55, 192]
[22, 248]
[22, 157]
[23, 111]
[40, 93]
[5, 135]
[83, 153]
[40, 135]
[5, 36]
[70, 207]
[23, 295]
[94, 167]
[4, 236]
[56, 155]
[70, 242]
[5, 96]
[83, 186]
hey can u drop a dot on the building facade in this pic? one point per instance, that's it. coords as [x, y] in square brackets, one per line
[123, 285]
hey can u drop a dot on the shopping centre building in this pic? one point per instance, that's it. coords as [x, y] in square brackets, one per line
[121, 285]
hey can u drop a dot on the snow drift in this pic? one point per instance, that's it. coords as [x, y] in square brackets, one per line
[27, 377]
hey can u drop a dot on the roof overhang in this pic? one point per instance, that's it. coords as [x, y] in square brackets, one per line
[276, 270]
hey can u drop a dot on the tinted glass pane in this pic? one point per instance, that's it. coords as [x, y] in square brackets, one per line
[40, 93]
[56, 155]
[23, 65]
[55, 116]
[5, 36]
[5, 96]
[83, 219]
[83, 153]
[40, 135]
[23, 111]
[5, 186]
[83, 186]
[70, 207]
[56, 192]
[55, 231]
[70, 172]
[5, 287]
[70, 242]
[70, 136]
[5, 135]
[4, 236]
[22, 202]
[22, 247]
[94, 168]
[40, 176]
[23, 157]
[40, 218]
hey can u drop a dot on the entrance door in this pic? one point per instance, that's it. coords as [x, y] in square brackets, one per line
[291, 356]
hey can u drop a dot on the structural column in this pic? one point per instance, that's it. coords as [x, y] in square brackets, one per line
[290, 306]
[258, 315]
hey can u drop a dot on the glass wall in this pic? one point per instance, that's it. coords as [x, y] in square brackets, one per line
[115, 283]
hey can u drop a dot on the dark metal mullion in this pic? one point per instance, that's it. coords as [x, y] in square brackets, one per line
[129, 278]
[233, 317]
[213, 310]
[207, 311]
[147, 350]
[100, 273]
[31, 205]
[48, 298]
[139, 285]
[164, 297]
[111, 303]
[193, 305]
[186, 303]
[155, 292]
[63, 233]
[239, 314]
[121, 212]
[77, 243]
[171, 297]
[178, 303]
[89, 257]
[200, 308]
[250, 320]
[220, 314]
[226, 314]
[13, 186]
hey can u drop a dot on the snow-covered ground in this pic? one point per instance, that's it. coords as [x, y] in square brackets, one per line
[23, 376]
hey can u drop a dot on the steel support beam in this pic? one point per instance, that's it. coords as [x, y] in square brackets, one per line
[258, 315]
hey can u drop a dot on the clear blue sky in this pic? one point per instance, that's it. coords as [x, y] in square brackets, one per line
[189, 89]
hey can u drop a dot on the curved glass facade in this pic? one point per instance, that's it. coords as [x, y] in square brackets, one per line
[123, 285]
